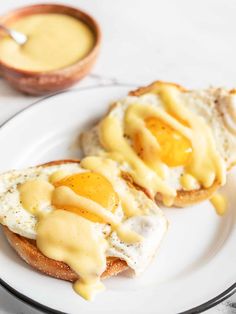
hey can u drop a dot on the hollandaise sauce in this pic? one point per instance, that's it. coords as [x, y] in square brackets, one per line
[70, 233]
[54, 41]
[220, 203]
[70, 238]
[162, 137]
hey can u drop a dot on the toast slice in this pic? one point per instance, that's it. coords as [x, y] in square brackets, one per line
[183, 198]
[28, 251]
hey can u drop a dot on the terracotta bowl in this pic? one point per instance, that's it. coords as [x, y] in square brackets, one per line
[41, 83]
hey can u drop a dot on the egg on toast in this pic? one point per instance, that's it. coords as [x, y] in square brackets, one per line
[177, 145]
[80, 221]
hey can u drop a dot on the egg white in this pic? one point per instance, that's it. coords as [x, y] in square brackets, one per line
[216, 106]
[138, 256]
[12, 213]
[152, 227]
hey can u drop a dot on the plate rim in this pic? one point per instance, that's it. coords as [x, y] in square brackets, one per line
[43, 308]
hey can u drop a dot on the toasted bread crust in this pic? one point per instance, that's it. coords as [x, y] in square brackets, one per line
[187, 198]
[150, 88]
[183, 198]
[29, 252]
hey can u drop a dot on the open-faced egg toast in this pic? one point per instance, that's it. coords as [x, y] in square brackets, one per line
[79, 221]
[175, 144]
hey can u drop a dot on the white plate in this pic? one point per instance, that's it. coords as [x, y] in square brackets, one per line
[197, 259]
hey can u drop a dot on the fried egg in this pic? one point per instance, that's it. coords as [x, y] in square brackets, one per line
[106, 189]
[174, 148]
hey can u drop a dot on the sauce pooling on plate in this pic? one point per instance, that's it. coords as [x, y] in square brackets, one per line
[220, 203]
[54, 42]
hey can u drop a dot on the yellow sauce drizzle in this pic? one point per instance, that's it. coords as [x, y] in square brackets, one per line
[93, 186]
[112, 138]
[74, 241]
[168, 200]
[66, 236]
[54, 41]
[220, 203]
[64, 197]
[109, 169]
[175, 149]
[35, 193]
[188, 182]
[206, 165]
[58, 175]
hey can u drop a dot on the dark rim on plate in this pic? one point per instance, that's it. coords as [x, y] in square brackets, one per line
[198, 309]
[195, 310]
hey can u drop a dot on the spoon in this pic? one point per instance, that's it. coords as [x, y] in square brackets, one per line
[18, 37]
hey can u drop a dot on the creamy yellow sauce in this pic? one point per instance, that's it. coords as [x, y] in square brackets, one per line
[112, 138]
[205, 166]
[168, 200]
[220, 203]
[93, 186]
[188, 182]
[109, 169]
[58, 175]
[35, 193]
[66, 233]
[64, 197]
[54, 41]
[69, 238]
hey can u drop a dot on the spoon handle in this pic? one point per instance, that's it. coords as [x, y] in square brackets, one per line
[18, 37]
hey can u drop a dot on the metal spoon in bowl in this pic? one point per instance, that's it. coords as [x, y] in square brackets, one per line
[18, 37]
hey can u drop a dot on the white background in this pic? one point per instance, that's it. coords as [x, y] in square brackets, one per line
[185, 41]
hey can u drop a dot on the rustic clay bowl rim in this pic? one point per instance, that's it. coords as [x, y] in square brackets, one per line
[87, 19]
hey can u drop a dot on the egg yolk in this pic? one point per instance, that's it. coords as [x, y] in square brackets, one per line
[94, 187]
[175, 149]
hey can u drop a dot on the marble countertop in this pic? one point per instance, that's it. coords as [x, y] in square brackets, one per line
[189, 42]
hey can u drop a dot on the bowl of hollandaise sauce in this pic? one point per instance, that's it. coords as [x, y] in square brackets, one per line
[61, 47]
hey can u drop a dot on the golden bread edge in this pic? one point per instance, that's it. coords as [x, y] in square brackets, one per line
[29, 252]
